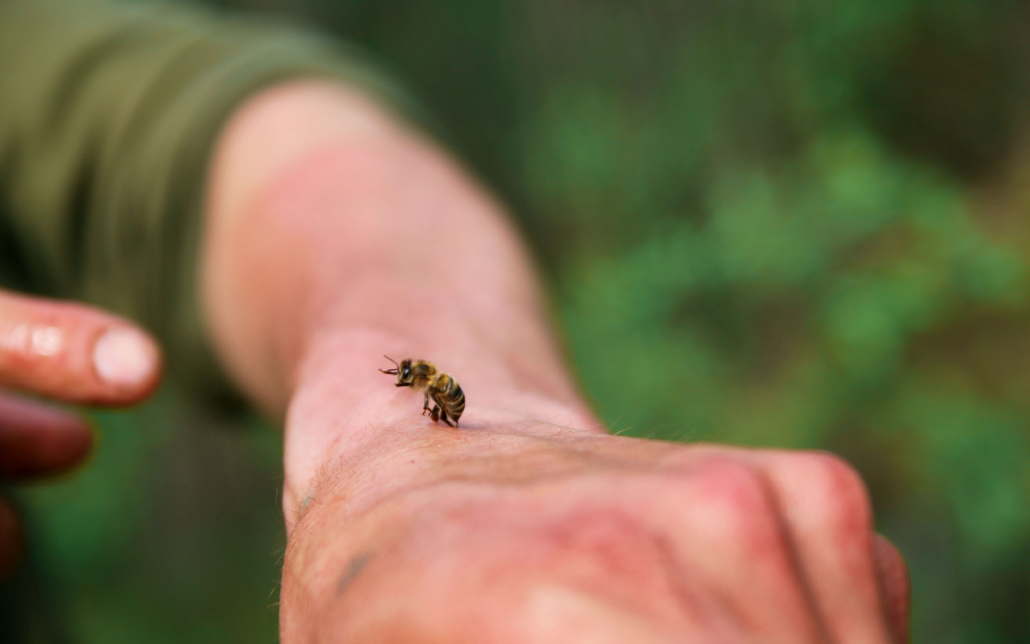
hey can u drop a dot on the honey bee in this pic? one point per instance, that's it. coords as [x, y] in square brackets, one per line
[448, 398]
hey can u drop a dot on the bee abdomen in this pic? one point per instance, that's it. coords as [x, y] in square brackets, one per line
[451, 398]
[456, 405]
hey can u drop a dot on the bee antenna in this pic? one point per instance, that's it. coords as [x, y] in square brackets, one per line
[390, 359]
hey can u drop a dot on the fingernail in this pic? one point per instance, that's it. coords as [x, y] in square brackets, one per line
[124, 356]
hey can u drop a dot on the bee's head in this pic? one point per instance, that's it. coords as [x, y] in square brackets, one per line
[402, 371]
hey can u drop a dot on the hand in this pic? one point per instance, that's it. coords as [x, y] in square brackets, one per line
[511, 530]
[70, 353]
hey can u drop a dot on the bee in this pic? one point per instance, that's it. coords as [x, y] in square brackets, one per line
[448, 398]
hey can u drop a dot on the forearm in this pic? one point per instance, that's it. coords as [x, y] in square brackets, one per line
[335, 235]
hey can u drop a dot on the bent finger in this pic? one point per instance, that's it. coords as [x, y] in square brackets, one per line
[37, 440]
[74, 353]
[829, 518]
[731, 536]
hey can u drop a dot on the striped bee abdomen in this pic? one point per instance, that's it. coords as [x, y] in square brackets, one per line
[449, 396]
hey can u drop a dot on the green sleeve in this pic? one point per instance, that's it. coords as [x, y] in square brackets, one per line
[108, 112]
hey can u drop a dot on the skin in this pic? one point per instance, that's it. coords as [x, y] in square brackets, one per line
[335, 234]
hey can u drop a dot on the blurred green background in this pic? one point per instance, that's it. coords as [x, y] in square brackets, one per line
[796, 223]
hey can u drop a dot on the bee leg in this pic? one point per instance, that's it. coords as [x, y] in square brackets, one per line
[425, 405]
[443, 415]
[434, 413]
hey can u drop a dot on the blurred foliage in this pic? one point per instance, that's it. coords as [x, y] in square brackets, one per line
[792, 223]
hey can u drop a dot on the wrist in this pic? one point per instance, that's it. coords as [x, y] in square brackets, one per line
[346, 420]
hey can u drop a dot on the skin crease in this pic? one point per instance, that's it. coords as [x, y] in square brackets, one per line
[336, 234]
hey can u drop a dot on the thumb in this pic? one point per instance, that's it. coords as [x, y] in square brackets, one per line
[74, 352]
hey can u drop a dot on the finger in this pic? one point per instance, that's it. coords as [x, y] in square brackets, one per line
[74, 352]
[732, 538]
[36, 440]
[895, 585]
[829, 519]
[11, 539]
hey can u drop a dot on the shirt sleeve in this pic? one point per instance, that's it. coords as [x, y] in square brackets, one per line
[108, 113]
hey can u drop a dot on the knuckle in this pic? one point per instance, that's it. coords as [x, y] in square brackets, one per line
[837, 492]
[732, 501]
[737, 485]
[39, 330]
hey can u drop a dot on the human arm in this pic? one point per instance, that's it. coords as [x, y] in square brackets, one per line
[336, 234]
